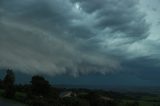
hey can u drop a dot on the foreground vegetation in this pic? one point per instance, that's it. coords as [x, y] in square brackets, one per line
[40, 93]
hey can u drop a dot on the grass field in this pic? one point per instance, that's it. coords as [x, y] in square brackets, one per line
[127, 99]
[141, 101]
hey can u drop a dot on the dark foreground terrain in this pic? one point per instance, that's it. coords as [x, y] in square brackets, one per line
[84, 97]
[39, 92]
[4, 102]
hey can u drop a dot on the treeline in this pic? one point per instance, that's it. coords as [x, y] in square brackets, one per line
[39, 92]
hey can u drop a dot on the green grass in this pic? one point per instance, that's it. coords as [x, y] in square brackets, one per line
[151, 98]
[18, 99]
[143, 101]
[1, 92]
[20, 96]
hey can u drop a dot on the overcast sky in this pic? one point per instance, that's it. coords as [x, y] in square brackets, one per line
[81, 37]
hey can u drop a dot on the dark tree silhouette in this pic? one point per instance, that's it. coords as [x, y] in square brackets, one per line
[40, 86]
[1, 84]
[8, 84]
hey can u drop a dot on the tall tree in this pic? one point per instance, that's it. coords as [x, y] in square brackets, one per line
[8, 83]
[40, 86]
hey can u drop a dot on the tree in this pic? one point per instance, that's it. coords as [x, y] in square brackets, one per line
[1, 85]
[8, 83]
[40, 86]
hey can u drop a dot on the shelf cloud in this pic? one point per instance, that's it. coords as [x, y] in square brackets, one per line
[74, 37]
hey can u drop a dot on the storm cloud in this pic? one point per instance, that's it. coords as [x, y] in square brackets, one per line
[70, 37]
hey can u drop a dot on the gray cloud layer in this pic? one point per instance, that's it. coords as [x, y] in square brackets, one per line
[71, 36]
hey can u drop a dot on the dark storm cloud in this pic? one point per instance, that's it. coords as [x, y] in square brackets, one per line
[145, 68]
[57, 36]
[118, 16]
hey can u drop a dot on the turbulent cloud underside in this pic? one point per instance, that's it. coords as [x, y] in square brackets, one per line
[72, 36]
